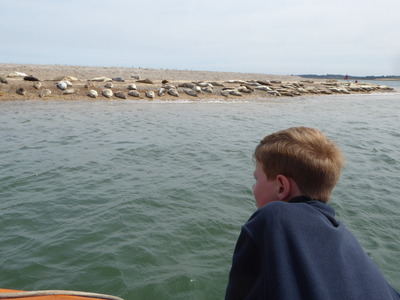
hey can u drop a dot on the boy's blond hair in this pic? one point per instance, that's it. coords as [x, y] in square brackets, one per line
[304, 154]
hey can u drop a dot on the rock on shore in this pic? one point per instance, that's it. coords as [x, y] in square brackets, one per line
[77, 83]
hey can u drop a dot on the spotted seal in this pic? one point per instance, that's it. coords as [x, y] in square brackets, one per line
[45, 93]
[21, 91]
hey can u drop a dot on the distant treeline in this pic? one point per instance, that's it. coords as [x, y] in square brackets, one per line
[349, 77]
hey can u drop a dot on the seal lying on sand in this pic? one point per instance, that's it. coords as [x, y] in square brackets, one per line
[62, 85]
[107, 93]
[31, 78]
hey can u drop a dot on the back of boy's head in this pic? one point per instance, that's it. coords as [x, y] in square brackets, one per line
[304, 154]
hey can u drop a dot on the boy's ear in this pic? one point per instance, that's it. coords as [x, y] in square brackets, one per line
[284, 187]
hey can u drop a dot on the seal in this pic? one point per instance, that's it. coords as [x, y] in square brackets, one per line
[30, 78]
[264, 82]
[147, 81]
[161, 92]
[274, 93]
[45, 93]
[93, 94]
[16, 75]
[107, 93]
[188, 85]
[62, 85]
[263, 88]
[168, 86]
[234, 92]
[132, 87]
[37, 85]
[173, 92]
[121, 95]
[203, 84]
[244, 89]
[225, 93]
[65, 78]
[207, 89]
[70, 91]
[101, 79]
[89, 85]
[134, 93]
[150, 94]
[109, 85]
[21, 91]
[190, 92]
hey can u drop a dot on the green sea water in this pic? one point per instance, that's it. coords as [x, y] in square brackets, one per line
[145, 200]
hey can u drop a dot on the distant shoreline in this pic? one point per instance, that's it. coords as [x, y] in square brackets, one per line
[30, 82]
[349, 77]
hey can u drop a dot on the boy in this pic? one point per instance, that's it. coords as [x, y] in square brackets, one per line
[292, 247]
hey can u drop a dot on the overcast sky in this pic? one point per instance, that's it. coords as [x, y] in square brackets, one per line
[356, 37]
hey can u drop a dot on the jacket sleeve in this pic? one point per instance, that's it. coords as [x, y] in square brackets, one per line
[245, 271]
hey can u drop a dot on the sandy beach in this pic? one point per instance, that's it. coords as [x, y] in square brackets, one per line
[32, 82]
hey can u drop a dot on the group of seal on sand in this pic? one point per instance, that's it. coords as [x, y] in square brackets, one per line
[115, 87]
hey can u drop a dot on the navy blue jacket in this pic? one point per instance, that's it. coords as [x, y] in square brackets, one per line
[298, 250]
